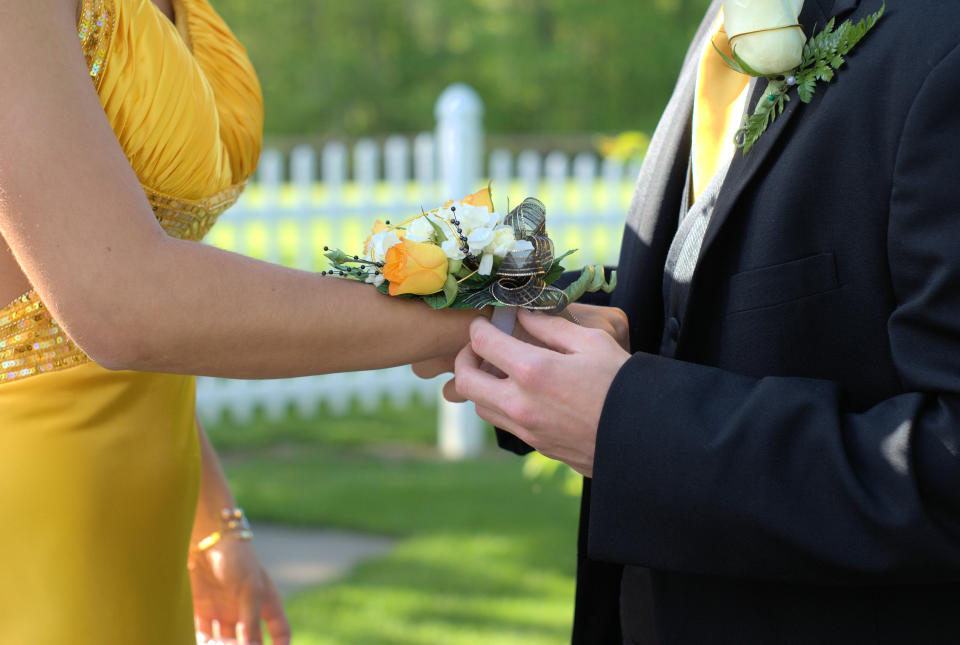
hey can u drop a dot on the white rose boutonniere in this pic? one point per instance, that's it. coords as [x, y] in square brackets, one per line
[765, 34]
[767, 42]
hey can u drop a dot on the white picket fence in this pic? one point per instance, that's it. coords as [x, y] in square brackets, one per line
[297, 205]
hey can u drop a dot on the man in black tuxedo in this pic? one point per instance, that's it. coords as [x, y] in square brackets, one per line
[779, 459]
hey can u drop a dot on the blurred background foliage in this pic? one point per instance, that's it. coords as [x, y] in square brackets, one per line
[366, 67]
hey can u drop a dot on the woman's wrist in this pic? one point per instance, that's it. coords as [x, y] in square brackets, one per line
[233, 524]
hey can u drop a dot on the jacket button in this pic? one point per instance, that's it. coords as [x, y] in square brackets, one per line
[673, 329]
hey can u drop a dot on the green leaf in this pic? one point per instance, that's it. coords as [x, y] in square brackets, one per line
[478, 301]
[454, 267]
[476, 282]
[451, 290]
[554, 273]
[732, 64]
[436, 300]
[806, 86]
[557, 269]
[475, 300]
[438, 231]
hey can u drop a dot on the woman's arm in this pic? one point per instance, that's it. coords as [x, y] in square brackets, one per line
[75, 217]
[230, 586]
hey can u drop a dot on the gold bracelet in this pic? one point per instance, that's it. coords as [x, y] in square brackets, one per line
[233, 522]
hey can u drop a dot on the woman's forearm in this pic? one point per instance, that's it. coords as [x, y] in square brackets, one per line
[215, 493]
[74, 215]
[190, 308]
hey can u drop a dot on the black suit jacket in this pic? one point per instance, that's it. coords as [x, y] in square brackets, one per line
[792, 475]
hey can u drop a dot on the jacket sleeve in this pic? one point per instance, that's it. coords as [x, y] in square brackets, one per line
[701, 470]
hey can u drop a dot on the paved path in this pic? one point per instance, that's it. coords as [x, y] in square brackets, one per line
[298, 558]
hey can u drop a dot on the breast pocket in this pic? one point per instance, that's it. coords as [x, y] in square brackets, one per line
[782, 283]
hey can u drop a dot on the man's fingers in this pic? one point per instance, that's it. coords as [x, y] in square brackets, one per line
[274, 615]
[433, 367]
[502, 421]
[248, 627]
[553, 331]
[475, 383]
[499, 349]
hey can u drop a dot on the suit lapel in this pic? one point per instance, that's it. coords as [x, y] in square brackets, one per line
[669, 147]
[654, 212]
[743, 168]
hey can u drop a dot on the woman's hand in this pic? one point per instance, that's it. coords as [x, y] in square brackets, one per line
[232, 593]
[609, 319]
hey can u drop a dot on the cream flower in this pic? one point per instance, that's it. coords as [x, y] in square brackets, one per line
[479, 239]
[765, 35]
[503, 242]
[452, 249]
[473, 218]
[420, 230]
[380, 243]
[374, 277]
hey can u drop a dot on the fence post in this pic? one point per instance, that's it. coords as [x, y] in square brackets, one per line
[459, 137]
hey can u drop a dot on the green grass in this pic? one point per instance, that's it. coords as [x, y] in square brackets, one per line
[485, 555]
[415, 425]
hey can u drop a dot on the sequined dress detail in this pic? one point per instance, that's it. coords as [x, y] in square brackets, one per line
[99, 470]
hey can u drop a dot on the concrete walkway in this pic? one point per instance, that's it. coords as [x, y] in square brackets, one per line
[298, 558]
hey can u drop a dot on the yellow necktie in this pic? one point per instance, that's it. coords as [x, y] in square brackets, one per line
[721, 95]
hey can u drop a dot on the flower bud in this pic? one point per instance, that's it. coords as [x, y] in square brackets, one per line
[765, 34]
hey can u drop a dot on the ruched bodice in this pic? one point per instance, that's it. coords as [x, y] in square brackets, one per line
[183, 99]
[99, 470]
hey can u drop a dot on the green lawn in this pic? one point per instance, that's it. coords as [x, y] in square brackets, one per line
[485, 555]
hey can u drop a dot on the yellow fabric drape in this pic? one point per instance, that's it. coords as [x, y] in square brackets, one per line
[721, 96]
[99, 470]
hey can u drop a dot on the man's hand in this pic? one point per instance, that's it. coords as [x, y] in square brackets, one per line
[552, 396]
[608, 319]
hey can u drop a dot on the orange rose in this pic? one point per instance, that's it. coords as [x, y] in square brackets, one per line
[479, 198]
[415, 268]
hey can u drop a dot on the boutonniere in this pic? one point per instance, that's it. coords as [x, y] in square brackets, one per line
[767, 42]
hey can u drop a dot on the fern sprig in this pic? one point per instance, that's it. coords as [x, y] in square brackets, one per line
[823, 55]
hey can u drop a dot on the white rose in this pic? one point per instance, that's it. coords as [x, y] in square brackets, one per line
[452, 249]
[754, 30]
[380, 243]
[503, 242]
[420, 230]
[374, 277]
[472, 218]
[479, 239]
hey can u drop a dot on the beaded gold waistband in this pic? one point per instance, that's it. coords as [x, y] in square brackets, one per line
[32, 342]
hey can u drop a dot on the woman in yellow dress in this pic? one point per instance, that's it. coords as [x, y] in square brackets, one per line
[118, 150]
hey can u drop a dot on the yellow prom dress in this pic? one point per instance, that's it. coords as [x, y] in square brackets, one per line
[99, 470]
